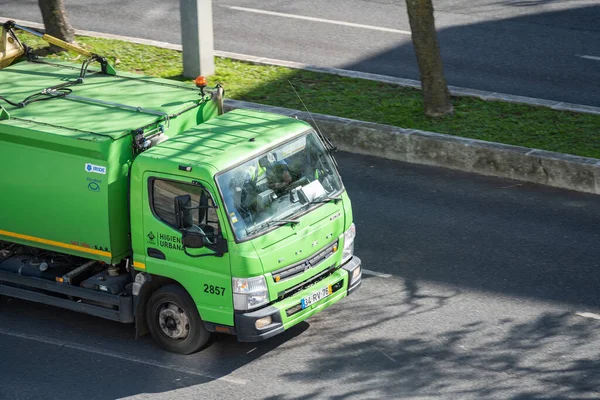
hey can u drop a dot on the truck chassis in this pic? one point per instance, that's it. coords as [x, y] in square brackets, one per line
[33, 275]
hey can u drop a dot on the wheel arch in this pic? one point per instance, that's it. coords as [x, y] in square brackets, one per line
[151, 283]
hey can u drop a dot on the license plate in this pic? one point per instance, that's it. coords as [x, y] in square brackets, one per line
[316, 296]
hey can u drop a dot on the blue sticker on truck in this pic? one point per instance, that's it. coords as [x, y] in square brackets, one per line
[98, 169]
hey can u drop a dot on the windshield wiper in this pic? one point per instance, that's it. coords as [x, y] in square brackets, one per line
[325, 200]
[271, 223]
[281, 222]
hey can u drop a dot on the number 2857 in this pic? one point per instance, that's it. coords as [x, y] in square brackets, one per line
[216, 290]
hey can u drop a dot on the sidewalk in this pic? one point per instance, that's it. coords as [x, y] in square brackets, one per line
[429, 148]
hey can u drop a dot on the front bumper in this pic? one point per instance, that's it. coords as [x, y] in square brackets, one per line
[351, 266]
[280, 312]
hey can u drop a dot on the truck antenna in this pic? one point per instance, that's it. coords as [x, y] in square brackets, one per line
[328, 142]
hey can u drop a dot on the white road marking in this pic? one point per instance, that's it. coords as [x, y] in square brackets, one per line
[313, 19]
[378, 274]
[104, 352]
[595, 58]
[588, 315]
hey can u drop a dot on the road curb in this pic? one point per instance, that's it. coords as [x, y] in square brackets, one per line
[421, 147]
[470, 155]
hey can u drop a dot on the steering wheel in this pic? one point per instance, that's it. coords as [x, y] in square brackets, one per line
[201, 231]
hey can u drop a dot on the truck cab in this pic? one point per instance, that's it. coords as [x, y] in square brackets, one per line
[248, 212]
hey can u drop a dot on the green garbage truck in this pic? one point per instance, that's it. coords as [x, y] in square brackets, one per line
[139, 200]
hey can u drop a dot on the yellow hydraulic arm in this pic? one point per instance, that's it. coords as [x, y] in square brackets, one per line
[11, 48]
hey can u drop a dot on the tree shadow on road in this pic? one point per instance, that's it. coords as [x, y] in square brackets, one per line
[107, 351]
[553, 356]
[47, 345]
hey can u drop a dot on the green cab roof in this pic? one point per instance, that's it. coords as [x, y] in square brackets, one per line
[228, 139]
[91, 120]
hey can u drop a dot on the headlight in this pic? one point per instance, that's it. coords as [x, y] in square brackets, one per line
[349, 236]
[249, 293]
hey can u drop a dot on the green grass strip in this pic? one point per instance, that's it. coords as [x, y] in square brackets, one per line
[495, 121]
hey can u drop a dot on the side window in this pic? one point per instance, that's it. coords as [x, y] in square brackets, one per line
[205, 219]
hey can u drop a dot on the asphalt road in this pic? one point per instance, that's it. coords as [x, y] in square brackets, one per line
[478, 288]
[547, 49]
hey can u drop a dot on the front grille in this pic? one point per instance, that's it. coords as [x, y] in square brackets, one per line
[306, 284]
[306, 264]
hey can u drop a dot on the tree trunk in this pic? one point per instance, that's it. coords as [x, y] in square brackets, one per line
[56, 22]
[436, 97]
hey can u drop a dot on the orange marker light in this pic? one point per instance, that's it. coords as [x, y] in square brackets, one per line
[201, 81]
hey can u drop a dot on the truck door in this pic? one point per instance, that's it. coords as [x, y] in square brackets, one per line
[201, 271]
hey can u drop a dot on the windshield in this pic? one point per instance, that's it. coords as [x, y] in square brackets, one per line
[269, 189]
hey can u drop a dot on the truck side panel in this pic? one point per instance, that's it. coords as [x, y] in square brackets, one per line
[65, 198]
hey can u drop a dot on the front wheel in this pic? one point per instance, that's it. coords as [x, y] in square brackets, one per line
[174, 322]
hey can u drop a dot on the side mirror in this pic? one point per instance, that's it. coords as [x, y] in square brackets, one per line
[183, 212]
[192, 241]
[221, 245]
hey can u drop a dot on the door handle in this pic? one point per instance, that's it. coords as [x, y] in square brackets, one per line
[155, 253]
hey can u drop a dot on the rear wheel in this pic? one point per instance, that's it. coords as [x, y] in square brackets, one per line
[174, 322]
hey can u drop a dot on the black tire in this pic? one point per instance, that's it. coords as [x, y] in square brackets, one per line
[174, 322]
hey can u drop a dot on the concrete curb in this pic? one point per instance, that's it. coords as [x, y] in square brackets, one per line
[454, 90]
[428, 148]
[469, 155]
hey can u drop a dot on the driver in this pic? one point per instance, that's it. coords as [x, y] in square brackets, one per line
[279, 178]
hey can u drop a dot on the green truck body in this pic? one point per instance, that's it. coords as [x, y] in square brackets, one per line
[131, 198]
